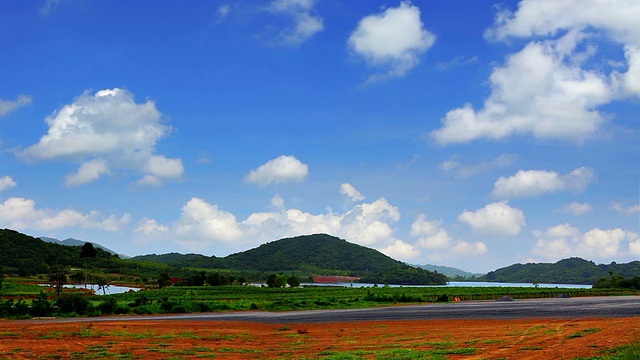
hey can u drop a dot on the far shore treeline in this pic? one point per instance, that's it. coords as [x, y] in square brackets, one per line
[302, 257]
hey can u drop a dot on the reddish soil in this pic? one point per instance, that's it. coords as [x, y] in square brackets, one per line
[452, 339]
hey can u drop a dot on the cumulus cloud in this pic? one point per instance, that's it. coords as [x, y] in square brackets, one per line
[393, 39]
[550, 89]
[495, 219]
[88, 172]
[577, 208]
[625, 209]
[7, 106]
[351, 192]
[106, 130]
[527, 183]
[203, 225]
[279, 170]
[460, 170]
[22, 214]
[7, 183]
[438, 244]
[306, 22]
[564, 240]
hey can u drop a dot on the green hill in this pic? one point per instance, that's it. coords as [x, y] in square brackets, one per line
[566, 271]
[30, 256]
[26, 255]
[318, 254]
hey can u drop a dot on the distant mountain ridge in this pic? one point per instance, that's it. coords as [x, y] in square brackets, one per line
[566, 271]
[76, 242]
[450, 272]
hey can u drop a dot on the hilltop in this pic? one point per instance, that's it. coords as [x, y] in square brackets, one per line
[318, 254]
[566, 271]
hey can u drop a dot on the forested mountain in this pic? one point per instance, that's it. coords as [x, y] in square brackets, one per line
[567, 271]
[31, 255]
[318, 254]
[27, 255]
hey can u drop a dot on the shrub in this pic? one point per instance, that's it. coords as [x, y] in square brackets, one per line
[74, 303]
[108, 306]
[41, 305]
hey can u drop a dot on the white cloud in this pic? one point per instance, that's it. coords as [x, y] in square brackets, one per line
[495, 219]
[88, 172]
[577, 208]
[550, 89]
[7, 106]
[351, 192]
[203, 225]
[564, 240]
[22, 214]
[527, 183]
[438, 244]
[625, 209]
[7, 183]
[108, 129]
[306, 23]
[393, 39]
[460, 170]
[279, 170]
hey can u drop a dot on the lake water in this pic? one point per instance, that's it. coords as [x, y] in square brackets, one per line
[112, 289]
[461, 283]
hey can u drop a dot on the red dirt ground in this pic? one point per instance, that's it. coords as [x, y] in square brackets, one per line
[451, 339]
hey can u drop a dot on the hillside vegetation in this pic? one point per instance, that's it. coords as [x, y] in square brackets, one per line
[26, 255]
[566, 271]
[318, 254]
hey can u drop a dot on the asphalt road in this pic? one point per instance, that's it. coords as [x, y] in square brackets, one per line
[587, 307]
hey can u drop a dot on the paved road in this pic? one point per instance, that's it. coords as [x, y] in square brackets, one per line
[588, 307]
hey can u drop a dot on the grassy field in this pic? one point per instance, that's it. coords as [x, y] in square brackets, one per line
[238, 298]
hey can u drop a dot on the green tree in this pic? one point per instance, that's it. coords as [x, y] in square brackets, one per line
[87, 252]
[1, 276]
[102, 283]
[164, 280]
[58, 277]
[293, 281]
[276, 280]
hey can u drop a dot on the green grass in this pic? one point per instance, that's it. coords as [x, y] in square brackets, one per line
[583, 333]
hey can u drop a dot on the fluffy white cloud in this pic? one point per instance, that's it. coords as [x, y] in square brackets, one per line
[203, 225]
[550, 89]
[107, 130]
[351, 192]
[88, 172]
[536, 182]
[306, 23]
[454, 166]
[495, 219]
[564, 240]
[577, 208]
[393, 39]
[21, 214]
[279, 170]
[7, 183]
[625, 209]
[7, 106]
[438, 244]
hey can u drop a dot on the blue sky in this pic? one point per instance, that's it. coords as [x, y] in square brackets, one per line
[462, 133]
